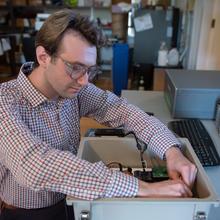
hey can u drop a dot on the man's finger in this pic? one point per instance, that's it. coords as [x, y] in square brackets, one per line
[174, 175]
[189, 176]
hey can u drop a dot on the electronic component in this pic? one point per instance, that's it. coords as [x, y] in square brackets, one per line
[145, 176]
[109, 132]
[155, 175]
[159, 173]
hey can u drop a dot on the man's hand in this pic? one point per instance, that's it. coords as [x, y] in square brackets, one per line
[164, 189]
[179, 167]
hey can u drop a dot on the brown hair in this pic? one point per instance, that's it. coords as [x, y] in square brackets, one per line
[54, 28]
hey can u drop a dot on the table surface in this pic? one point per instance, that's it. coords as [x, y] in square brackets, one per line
[153, 101]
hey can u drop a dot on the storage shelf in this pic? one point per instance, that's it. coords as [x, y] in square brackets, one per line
[40, 6]
[13, 14]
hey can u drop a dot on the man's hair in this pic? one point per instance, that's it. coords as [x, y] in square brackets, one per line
[54, 28]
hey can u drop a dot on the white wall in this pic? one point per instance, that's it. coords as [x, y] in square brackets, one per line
[213, 52]
[204, 47]
[206, 19]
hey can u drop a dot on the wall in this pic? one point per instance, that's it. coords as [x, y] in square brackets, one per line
[204, 47]
[213, 52]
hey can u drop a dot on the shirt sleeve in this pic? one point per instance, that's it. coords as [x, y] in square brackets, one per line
[114, 111]
[38, 166]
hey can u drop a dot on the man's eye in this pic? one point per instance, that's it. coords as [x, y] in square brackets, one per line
[77, 68]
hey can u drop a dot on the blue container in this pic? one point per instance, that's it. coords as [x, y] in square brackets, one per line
[120, 67]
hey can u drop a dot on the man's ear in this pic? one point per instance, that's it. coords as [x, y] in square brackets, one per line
[42, 56]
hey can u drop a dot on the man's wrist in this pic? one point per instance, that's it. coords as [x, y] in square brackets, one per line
[172, 151]
[142, 189]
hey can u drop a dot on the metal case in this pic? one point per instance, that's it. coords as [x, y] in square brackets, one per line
[192, 93]
[123, 150]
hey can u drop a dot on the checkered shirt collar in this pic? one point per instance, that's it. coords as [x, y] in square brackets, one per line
[29, 91]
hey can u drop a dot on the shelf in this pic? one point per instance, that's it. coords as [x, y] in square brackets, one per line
[39, 6]
[15, 13]
[6, 30]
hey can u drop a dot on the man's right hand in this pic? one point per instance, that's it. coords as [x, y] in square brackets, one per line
[168, 188]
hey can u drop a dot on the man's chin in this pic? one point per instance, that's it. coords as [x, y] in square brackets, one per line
[71, 93]
[69, 96]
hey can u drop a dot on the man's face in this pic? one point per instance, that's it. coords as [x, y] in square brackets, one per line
[67, 74]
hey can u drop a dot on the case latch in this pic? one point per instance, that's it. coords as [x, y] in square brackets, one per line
[200, 216]
[84, 215]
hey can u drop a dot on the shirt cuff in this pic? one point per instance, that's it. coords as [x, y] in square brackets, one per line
[122, 185]
[165, 140]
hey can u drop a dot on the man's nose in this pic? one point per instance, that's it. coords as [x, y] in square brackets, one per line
[83, 80]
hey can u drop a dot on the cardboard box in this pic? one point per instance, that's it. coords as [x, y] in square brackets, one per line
[123, 150]
[119, 25]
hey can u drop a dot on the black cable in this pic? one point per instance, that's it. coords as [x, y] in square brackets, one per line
[139, 147]
[142, 161]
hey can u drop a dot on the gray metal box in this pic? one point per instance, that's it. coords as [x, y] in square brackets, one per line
[192, 93]
[108, 149]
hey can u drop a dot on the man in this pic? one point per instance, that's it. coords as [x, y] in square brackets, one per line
[40, 115]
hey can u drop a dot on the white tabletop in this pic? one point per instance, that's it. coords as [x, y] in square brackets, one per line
[149, 101]
[153, 101]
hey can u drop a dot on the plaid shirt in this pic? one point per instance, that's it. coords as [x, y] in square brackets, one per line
[39, 139]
